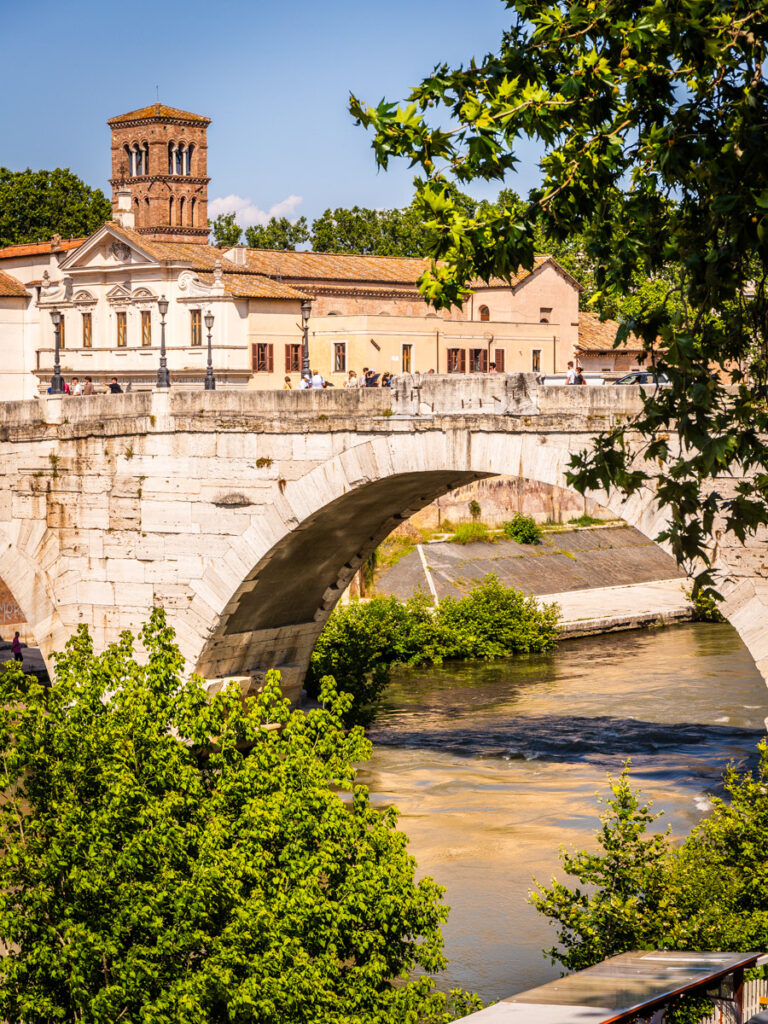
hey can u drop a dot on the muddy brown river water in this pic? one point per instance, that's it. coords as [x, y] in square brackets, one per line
[494, 767]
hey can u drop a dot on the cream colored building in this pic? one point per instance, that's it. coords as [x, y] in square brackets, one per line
[366, 311]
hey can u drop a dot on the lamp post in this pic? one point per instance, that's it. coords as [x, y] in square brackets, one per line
[210, 380]
[306, 307]
[57, 381]
[163, 378]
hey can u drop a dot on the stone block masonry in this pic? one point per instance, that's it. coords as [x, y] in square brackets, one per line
[246, 513]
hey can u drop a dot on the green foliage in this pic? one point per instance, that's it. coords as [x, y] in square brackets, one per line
[469, 533]
[639, 891]
[474, 509]
[585, 520]
[35, 205]
[370, 232]
[705, 605]
[278, 233]
[169, 857]
[360, 642]
[226, 232]
[652, 116]
[523, 529]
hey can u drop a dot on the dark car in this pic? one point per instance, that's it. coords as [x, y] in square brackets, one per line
[643, 377]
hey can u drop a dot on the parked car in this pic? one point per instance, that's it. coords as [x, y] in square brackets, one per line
[643, 377]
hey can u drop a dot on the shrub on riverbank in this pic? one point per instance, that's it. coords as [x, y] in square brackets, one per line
[523, 529]
[166, 856]
[362, 641]
[470, 533]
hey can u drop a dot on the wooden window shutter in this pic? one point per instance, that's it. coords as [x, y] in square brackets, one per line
[288, 362]
[498, 358]
[270, 358]
[462, 360]
[254, 358]
[484, 360]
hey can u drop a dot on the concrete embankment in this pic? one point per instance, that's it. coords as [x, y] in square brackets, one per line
[604, 578]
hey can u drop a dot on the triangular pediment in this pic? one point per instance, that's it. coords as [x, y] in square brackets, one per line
[119, 294]
[108, 249]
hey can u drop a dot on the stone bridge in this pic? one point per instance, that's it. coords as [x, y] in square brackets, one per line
[246, 513]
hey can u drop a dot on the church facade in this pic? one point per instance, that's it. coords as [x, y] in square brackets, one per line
[365, 311]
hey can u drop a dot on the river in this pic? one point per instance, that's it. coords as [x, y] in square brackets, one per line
[495, 766]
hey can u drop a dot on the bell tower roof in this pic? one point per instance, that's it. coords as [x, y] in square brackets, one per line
[158, 112]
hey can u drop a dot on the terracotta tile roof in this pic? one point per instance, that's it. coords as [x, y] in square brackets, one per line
[596, 335]
[160, 111]
[9, 285]
[254, 286]
[35, 248]
[199, 257]
[305, 266]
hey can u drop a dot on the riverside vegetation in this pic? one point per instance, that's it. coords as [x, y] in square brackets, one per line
[362, 641]
[642, 891]
[166, 856]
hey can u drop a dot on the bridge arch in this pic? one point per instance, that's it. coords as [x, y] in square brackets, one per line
[266, 605]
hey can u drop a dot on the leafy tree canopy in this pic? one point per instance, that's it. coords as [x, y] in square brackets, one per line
[653, 118]
[166, 857]
[35, 205]
[278, 233]
[226, 232]
[641, 891]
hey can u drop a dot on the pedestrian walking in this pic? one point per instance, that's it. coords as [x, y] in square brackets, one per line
[287, 386]
[88, 388]
[351, 381]
[306, 384]
[317, 380]
[570, 377]
[76, 388]
[16, 648]
[114, 387]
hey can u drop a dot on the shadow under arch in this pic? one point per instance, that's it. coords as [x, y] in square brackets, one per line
[279, 609]
[31, 587]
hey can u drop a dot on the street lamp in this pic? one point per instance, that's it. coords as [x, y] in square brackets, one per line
[163, 377]
[306, 308]
[210, 380]
[57, 381]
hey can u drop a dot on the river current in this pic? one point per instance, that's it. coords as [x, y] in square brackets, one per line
[495, 766]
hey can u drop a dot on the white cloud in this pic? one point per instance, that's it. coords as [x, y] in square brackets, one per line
[248, 213]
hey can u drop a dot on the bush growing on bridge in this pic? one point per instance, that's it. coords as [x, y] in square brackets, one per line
[169, 857]
[362, 641]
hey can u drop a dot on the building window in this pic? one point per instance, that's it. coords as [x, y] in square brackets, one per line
[478, 360]
[498, 358]
[292, 358]
[262, 357]
[339, 357]
[545, 314]
[407, 358]
[485, 313]
[61, 332]
[87, 328]
[181, 212]
[122, 330]
[536, 360]
[457, 360]
[196, 327]
[146, 328]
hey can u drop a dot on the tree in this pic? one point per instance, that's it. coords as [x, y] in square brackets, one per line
[35, 205]
[166, 857]
[369, 232]
[278, 233]
[226, 232]
[653, 119]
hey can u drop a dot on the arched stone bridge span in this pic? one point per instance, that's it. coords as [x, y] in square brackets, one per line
[245, 514]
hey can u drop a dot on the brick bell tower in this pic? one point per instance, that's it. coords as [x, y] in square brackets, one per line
[160, 157]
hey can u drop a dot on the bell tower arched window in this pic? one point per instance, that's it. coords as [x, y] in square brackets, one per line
[485, 313]
[170, 210]
[181, 153]
[181, 212]
[190, 150]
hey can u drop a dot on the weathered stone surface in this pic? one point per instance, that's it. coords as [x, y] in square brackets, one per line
[246, 513]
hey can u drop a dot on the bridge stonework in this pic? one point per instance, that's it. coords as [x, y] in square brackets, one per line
[245, 514]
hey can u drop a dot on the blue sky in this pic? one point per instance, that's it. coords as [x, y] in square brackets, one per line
[274, 77]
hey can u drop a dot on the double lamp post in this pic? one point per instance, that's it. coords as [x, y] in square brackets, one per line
[163, 376]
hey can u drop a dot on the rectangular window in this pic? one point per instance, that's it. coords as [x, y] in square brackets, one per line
[262, 359]
[292, 358]
[339, 357]
[545, 314]
[478, 360]
[196, 327]
[122, 330]
[498, 358]
[407, 358]
[87, 330]
[146, 328]
[457, 360]
[536, 360]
